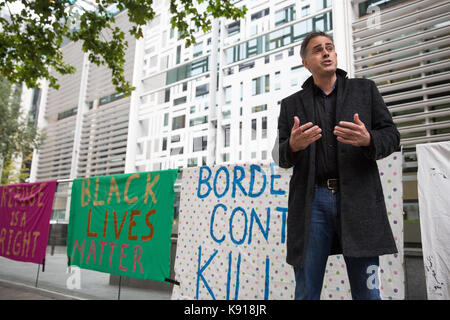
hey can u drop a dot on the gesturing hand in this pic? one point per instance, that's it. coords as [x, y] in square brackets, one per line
[303, 136]
[355, 134]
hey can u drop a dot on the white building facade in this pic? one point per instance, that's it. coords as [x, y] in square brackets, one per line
[218, 101]
[190, 113]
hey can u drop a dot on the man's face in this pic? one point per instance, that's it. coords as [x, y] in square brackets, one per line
[321, 59]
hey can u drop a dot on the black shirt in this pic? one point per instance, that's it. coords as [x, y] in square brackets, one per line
[326, 147]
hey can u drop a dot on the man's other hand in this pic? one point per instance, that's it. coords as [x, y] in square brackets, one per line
[355, 133]
[303, 135]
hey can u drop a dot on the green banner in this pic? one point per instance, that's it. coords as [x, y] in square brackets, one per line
[122, 224]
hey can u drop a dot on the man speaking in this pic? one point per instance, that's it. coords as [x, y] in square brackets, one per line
[332, 132]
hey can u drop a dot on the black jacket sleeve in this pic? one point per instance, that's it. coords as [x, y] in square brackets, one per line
[385, 138]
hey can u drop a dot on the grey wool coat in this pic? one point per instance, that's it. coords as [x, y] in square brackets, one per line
[364, 225]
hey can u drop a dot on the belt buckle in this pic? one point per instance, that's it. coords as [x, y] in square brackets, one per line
[328, 184]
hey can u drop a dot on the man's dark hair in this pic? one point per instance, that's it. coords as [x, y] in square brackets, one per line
[308, 38]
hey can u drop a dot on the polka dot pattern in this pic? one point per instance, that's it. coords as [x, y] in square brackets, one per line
[391, 275]
[211, 242]
[232, 232]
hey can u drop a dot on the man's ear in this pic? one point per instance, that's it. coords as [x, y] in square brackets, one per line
[305, 64]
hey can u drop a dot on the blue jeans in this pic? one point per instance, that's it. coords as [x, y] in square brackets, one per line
[324, 224]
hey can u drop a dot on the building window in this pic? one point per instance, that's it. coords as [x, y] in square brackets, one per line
[198, 120]
[305, 11]
[227, 94]
[264, 127]
[253, 129]
[296, 68]
[242, 90]
[322, 22]
[164, 144]
[285, 15]
[197, 50]
[166, 119]
[200, 143]
[192, 162]
[259, 108]
[260, 85]
[178, 122]
[240, 134]
[277, 39]
[202, 90]
[178, 58]
[67, 113]
[167, 95]
[253, 30]
[186, 71]
[179, 101]
[226, 136]
[233, 28]
[260, 14]
[176, 151]
[175, 138]
[110, 98]
[322, 4]
[246, 65]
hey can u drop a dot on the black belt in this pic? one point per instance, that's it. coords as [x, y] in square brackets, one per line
[332, 184]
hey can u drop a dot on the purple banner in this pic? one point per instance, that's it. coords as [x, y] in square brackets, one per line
[25, 211]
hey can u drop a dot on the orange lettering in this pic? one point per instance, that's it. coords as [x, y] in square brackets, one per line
[96, 202]
[36, 235]
[148, 188]
[132, 224]
[16, 245]
[2, 239]
[150, 225]
[118, 232]
[26, 244]
[40, 195]
[32, 195]
[105, 224]
[127, 186]
[84, 192]
[89, 233]
[113, 188]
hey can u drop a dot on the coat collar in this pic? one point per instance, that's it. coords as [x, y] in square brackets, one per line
[307, 96]
[310, 80]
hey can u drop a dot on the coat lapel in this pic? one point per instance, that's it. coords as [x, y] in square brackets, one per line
[341, 94]
[308, 101]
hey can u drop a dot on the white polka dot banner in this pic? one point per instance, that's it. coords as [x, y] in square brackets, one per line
[232, 235]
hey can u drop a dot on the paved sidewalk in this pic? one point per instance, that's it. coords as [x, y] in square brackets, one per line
[18, 281]
[14, 291]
